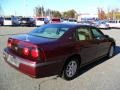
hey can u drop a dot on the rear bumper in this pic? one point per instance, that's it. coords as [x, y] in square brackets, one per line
[31, 68]
[7, 24]
[39, 24]
[26, 66]
[27, 24]
[24, 24]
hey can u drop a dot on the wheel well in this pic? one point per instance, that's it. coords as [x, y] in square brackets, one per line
[73, 56]
[113, 43]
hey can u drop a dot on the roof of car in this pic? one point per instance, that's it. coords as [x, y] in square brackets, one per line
[70, 25]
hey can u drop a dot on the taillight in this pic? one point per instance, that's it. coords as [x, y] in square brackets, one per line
[35, 53]
[9, 43]
[31, 51]
[26, 51]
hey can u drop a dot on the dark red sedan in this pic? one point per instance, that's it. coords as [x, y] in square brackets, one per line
[56, 20]
[57, 49]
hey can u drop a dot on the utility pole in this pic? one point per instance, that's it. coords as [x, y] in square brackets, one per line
[1, 10]
[25, 4]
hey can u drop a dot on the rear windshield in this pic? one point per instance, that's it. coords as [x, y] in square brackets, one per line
[65, 19]
[7, 18]
[72, 20]
[26, 19]
[41, 19]
[57, 20]
[53, 31]
[111, 21]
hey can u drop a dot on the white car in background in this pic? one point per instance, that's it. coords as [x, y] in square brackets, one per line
[15, 21]
[7, 21]
[40, 21]
[114, 23]
[65, 20]
[72, 21]
[11, 21]
[55, 20]
[102, 25]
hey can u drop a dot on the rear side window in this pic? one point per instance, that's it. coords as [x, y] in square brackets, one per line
[83, 34]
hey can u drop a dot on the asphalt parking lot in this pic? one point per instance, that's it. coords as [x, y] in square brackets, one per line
[101, 75]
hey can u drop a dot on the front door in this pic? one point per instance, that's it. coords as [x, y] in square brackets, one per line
[103, 43]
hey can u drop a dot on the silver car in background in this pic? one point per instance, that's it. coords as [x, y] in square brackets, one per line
[102, 25]
[11, 21]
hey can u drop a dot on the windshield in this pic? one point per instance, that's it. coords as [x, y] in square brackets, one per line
[25, 19]
[71, 20]
[50, 31]
[41, 19]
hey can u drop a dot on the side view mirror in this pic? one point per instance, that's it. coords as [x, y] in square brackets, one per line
[106, 36]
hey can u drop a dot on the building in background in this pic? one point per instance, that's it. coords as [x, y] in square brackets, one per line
[87, 17]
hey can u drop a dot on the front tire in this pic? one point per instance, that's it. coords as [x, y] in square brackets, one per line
[71, 68]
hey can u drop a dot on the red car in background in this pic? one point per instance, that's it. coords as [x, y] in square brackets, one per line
[55, 20]
[57, 49]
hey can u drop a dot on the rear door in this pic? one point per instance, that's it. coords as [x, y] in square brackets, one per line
[85, 45]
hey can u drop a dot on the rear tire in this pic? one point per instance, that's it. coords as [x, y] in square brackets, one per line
[111, 51]
[70, 69]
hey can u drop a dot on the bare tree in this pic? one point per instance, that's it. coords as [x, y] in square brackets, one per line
[69, 14]
[39, 11]
[101, 14]
[113, 14]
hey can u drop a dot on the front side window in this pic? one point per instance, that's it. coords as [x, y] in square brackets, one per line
[96, 33]
[50, 31]
[83, 34]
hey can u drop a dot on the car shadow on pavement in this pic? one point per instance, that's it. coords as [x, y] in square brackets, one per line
[117, 50]
[92, 65]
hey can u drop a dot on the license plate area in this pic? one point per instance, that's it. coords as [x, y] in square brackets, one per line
[12, 60]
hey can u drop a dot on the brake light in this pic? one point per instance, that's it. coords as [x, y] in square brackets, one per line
[26, 51]
[9, 44]
[31, 51]
[35, 53]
